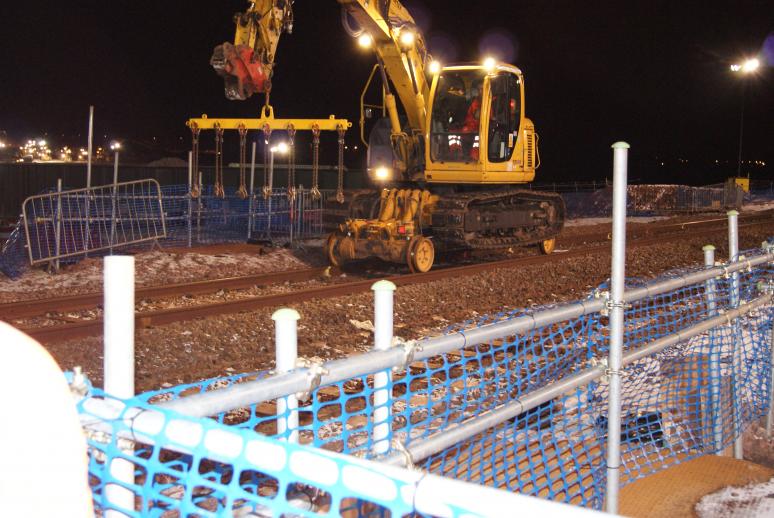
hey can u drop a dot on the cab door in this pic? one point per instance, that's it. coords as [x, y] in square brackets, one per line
[502, 135]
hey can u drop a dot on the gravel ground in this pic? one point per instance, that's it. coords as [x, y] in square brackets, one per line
[329, 328]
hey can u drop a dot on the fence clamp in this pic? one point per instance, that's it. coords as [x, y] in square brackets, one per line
[315, 372]
[401, 448]
[597, 362]
[410, 348]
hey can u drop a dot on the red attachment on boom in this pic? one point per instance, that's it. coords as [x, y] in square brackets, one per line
[241, 70]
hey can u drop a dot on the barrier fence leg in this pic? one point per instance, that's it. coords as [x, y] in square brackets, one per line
[714, 358]
[616, 303]
[736, 352]
[383, 326]
[119, 362]
[286, 338]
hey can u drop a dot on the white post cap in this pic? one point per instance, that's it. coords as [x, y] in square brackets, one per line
[383, 285]
[285, 314]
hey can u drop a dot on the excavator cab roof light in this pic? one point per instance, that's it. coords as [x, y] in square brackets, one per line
[435, 67]
[489, 64]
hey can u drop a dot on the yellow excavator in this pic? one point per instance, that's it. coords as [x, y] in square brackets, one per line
[448, 164]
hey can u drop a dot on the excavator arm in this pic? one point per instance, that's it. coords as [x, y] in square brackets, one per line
[384, 25]
[247, 65]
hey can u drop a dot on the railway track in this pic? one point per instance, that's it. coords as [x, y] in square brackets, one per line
[146, 319]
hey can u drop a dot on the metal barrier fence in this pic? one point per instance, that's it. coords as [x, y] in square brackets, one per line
[516, 401]
[55, 227]
[72, 223]
[664, 199]
[209, 219]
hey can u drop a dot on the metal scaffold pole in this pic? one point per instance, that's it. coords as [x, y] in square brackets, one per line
[88, 181]
[715, 371]
[189, 196]
[251, 202]
[736, 342]
[616, 306]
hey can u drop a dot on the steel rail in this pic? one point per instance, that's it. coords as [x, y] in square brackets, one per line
[145, 319]
[36, 307]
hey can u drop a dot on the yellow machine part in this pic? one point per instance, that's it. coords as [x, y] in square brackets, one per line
[267, 120]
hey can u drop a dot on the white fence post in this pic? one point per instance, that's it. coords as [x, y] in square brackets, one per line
[383, 327]
[286, 338]
[616, 304]
[119, 361]
[714, 363]
[736, 353]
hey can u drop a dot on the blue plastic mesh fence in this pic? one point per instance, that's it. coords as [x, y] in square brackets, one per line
[144, 461]
[689, 399]
[189, 221]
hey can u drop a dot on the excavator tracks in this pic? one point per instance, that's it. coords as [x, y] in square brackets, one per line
[478, 220]
[488, 220]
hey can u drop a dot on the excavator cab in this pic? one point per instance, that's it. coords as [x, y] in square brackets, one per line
[477, 129]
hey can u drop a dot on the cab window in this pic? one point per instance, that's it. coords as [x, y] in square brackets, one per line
[504, 114]
[456, 116]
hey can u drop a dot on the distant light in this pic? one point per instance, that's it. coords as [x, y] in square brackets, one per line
[280, 148]
[365, 40]
[435, 67]
[41, 142]
[748, 67]
[407, 38]
[2, 145]
[382, 173]
[115, 145]
[751, 65]
[489, 64]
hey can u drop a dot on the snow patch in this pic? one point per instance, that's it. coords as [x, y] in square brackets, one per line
[751, 501]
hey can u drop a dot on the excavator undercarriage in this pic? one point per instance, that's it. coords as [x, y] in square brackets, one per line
[412, 225]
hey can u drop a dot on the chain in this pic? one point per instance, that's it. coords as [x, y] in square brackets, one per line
[242, 191]
[315, 161]
[340, 186]
[291, 162]
[194, 161]
[267, 180]
[218, 187]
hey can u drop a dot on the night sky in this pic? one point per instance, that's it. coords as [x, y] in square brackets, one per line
[654, 73]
